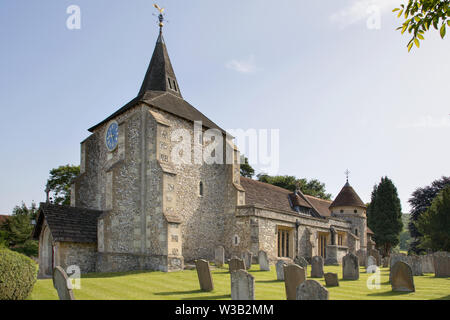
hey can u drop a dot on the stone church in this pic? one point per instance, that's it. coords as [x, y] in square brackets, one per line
[133, 208]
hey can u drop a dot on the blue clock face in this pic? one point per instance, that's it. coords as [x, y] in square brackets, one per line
[112, 136]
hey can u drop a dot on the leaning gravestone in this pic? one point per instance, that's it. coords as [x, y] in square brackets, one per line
[311, 290]
[247, 256]
[263, 261]
[427, 263]
[317, 267]
[280, 269]
[294, 275]
[395, 257]
[331, 279]
[219, 256]
[236, 264]
[242, 285]
[62, 284]
[441, 261]
[204, 275]
[350, 267]
[362, 257]
[402, 277]
[302, 263]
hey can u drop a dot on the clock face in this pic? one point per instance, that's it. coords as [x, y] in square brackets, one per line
[112, 136]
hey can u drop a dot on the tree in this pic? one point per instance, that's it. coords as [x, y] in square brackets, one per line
[420, 201]
[420, 15]
[18, 228]
[246, 169]
[60, 181]
[312, 187]
[384, 215]
[434, 224]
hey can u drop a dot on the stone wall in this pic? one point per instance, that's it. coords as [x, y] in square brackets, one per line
[83, 255]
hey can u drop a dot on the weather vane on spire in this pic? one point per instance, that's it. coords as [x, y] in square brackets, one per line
[160, 16]
[347, 172]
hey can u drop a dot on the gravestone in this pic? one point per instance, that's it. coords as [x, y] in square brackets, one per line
[280, 269]
[204, 275]
[415, 262]
[441, 262]
[242, 285]
[350, 267]
[62, 284]
[402, 277]
[376, 254]
[302, 263]
[395, 257]
[294, 275]
[317, 267]
[331, 279]
[219, 256]
[427, 263]
[362, 257]
[263, 261]
[311, 290]
[371, 264]
[247, 256]
[236, 264]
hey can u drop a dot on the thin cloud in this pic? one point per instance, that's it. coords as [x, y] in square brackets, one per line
[360, 10]
[427, 122]
[244, 66]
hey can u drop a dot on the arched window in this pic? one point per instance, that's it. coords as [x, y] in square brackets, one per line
[356, 232]
[355, 211]
[200, 188]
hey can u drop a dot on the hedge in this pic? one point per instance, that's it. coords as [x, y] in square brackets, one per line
[18, 275]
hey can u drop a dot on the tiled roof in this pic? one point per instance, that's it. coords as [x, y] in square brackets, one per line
[68, 224]
[270, 196]
[347, 197]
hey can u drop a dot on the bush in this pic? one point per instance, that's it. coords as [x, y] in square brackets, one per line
[30, 248]
[17, 275]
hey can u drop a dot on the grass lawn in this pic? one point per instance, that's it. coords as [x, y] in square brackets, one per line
[184, 286]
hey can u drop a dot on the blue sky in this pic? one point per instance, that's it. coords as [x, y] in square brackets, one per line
[342, 95]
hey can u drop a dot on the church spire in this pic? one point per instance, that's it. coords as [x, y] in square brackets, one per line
[160, 75]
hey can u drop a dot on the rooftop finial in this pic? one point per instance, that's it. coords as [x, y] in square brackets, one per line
[160, 16]
[347, 172]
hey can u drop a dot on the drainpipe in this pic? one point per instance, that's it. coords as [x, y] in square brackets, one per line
[297, 224]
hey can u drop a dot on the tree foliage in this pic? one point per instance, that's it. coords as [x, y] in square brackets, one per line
[384, 215]
[420, 201]
[420, 15]
[16, 231]
[311, 187]
[246, 169]
[60, 181]
[434, 224]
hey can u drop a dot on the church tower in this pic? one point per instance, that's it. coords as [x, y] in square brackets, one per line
[160, 206]
[349, 206]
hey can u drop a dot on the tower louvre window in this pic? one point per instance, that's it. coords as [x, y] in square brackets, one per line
[200, 188]
[174, 85]
[170, 83]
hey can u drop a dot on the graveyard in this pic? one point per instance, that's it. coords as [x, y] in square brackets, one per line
[184, 285]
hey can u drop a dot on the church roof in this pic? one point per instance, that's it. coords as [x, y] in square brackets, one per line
[273, 197]
[160, 89]
[68, 224]
[347, 197]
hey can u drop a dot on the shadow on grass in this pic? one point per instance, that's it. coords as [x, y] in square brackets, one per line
[388, 294]
[269, 281]
[443, 298]
[209, 297]
[173, 293]
[170, 293]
